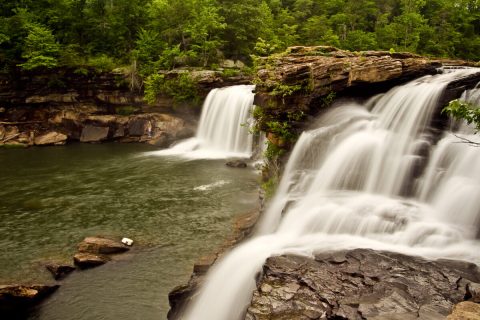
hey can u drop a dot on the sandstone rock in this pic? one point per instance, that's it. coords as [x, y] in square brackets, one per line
[54, 97]
[59, 271]
[236, 164]
[359, 284]
[97, 245]
[89, 260]
[465, 311]
[92, 133]
[2, 132]
[318, 71]
[50, 138]
[161, 140]
[138, 127]
[15, 299]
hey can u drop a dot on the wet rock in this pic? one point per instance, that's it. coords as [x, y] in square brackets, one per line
[180, 296]
[51, 138]
[473, 292]
[161, 140]
[359, 284]
[59, 271]
[204, 263]
[236, 164]
[465, 311]
[14, 299]
[98, 245]
[89, 260]
[92, 133]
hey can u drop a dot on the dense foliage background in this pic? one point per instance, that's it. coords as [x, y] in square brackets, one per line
[162, 34]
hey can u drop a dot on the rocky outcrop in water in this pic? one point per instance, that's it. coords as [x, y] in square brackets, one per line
[95, 251]
[59, 271]
[16, 299]
[360, 284]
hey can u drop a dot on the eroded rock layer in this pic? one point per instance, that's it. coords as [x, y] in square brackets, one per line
[361, 284]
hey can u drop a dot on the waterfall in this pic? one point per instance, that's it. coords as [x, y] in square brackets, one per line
[223, 129]
[369, 176]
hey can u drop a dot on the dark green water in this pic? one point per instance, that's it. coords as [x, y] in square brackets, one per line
[51, 198]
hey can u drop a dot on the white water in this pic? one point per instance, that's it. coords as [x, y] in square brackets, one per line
[370, 176]
[223, 130]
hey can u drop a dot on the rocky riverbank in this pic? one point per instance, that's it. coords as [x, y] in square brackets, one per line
[60, 106]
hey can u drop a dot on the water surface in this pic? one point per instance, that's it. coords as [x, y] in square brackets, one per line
[175, 210]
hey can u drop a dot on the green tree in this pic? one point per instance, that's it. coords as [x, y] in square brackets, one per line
[40, 49]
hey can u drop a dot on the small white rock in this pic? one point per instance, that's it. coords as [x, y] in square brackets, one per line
[127, 241]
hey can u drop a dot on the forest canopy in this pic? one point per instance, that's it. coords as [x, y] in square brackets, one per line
[163, 34]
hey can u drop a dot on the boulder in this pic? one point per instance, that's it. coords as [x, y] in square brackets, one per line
[91, 133]
[236, 164]
[59, 271]
[97, 245]
[14, 299]
[89, 260]
[359, 284]
[465, 311]
[138, 127]
[51, 138]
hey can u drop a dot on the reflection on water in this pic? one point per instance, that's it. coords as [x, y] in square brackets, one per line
[50, 198]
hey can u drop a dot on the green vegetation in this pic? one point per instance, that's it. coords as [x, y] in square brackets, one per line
[181, 88]
[150, 35]
[162, 34]
[461, 110]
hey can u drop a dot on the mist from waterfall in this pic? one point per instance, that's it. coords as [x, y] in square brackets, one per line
[372, 175]
[223, 130]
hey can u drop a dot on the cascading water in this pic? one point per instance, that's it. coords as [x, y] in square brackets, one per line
[368, 177]
[223, 128]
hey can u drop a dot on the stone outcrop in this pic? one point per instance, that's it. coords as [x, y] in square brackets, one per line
[58, 125]
[306, 78]
[236, 164]
[95, 251]
[16, 299]
[360, 284]
[59, 271]
[51, 138]
[98, 245]
[89, 260]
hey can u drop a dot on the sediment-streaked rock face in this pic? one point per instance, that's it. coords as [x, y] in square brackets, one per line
[360, 284]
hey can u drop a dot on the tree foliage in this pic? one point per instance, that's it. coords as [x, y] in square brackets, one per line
[163, 34]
